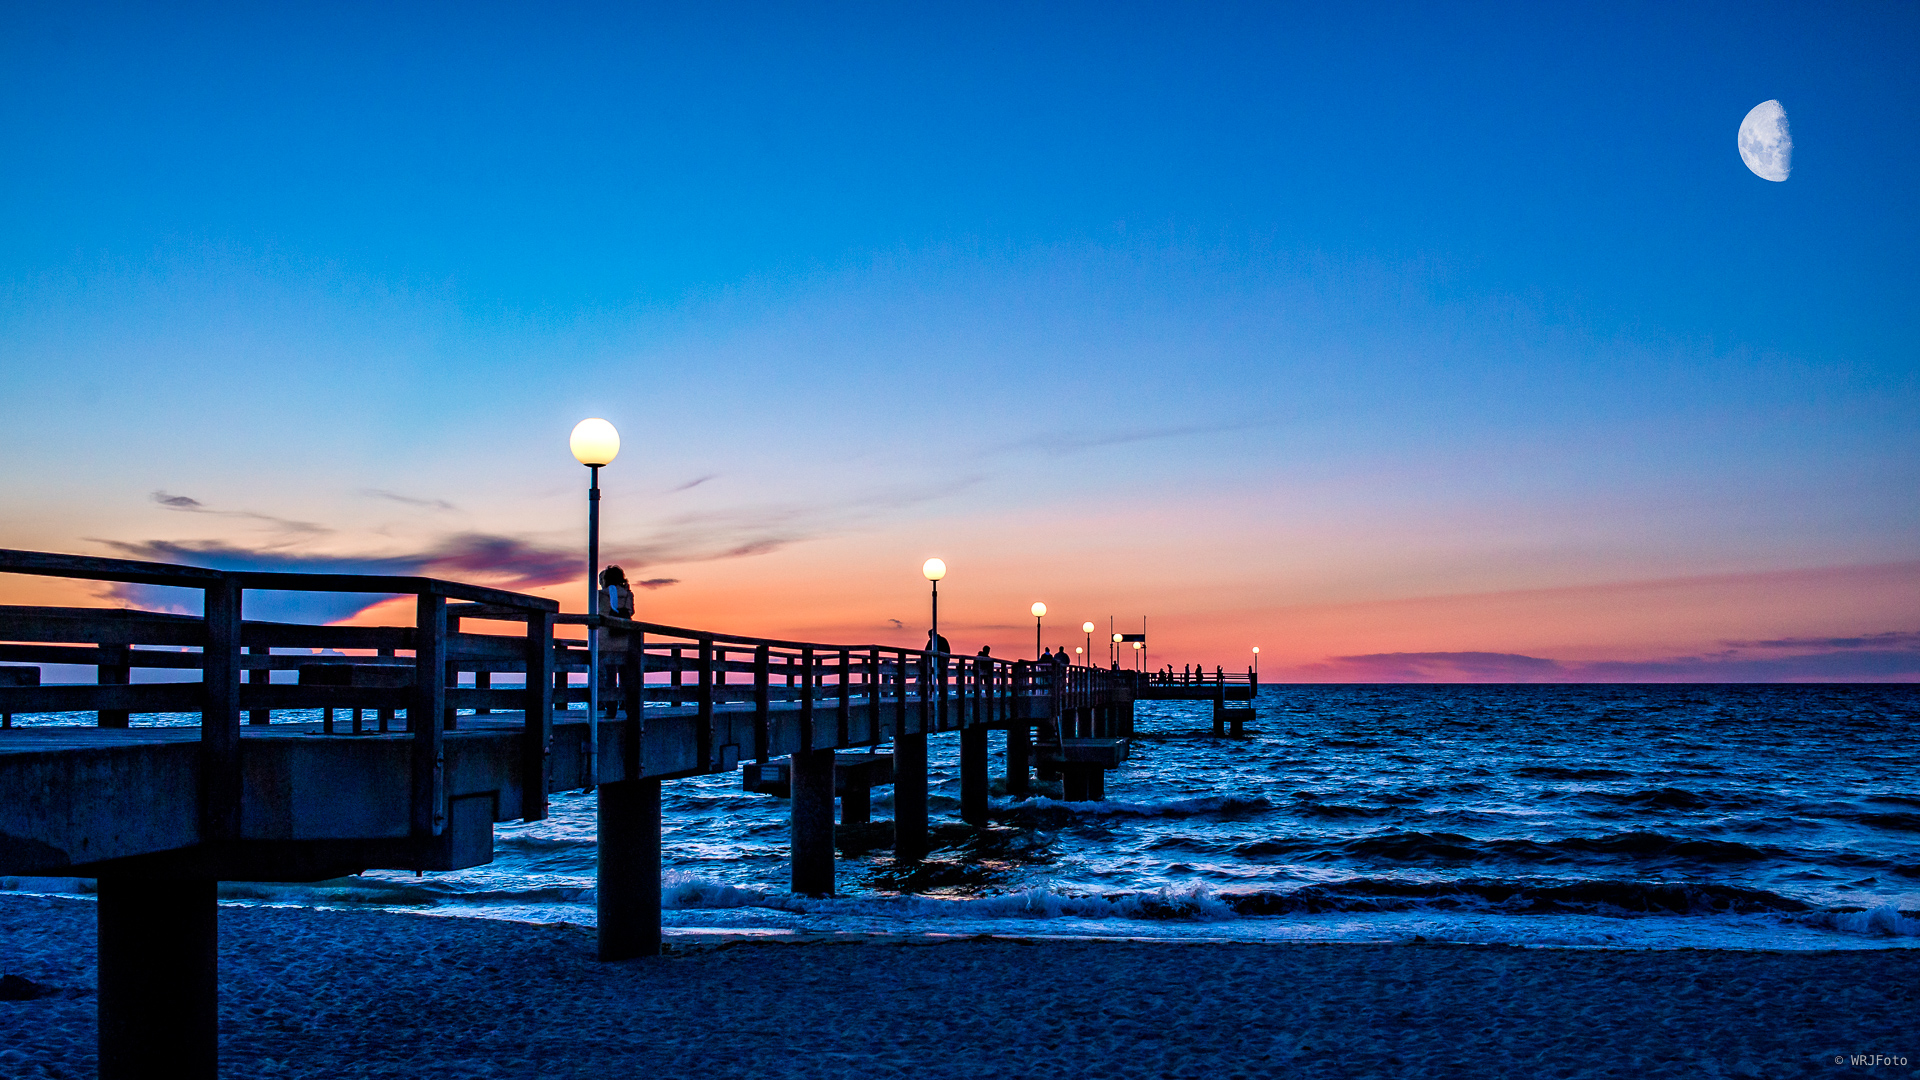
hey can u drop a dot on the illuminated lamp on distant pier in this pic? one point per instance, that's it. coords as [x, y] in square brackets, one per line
[1039, 611]
[933, 570]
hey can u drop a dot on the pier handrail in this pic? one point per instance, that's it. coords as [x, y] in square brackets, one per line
[222, 638]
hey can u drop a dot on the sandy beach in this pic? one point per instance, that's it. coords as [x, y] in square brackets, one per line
[350, 994]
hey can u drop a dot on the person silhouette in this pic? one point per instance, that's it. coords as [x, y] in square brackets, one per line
[616, 596]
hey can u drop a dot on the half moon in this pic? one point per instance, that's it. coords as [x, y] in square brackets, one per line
[1765, 144]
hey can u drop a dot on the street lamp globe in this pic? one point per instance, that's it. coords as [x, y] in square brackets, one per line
[1039, 609]
[1086, 628]
[1116, 639]
[934, 569]
[594, 442]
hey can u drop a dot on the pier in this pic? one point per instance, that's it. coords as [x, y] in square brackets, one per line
[1231, 692]
[417, 752]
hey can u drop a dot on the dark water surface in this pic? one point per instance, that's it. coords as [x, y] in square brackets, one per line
[1751, 816]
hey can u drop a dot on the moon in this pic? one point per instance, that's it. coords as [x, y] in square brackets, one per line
[1765, 144]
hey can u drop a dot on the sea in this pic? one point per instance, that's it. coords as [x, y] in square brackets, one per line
[1664, 816]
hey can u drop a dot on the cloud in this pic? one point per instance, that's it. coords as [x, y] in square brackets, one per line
[189, 505]
[742, 532]
[694, 483]
[503, 561]
[1891, 639]
[408, 500]
[1440, 667]
[659, 582]
[1064, 444]
[1893, 656]
[897, 624]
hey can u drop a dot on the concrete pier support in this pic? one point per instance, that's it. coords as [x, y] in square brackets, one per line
[909, 797]
[812, 810]
[1019, 759]
[159, 1002]
[629, 869]
[974, 781]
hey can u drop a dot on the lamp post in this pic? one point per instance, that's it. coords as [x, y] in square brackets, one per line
[1087, 629]
[594, 443]
[934, 570]
[1138, 648]
[1256, 663]
[1039, 610]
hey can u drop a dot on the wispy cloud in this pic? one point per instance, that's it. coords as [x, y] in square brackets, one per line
[1892, 639]
[1892, 656]
[694, 483]
[659, 582]
[408, 500]
[1060, 445]
[187, 504]
[742, 532]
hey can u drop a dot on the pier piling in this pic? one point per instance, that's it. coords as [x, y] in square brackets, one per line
[812, 810]
[909, 796]
[628, 869]
[1019, 757]
[973, 775]
[159, 991]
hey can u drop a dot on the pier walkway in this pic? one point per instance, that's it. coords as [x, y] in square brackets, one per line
[159, 815]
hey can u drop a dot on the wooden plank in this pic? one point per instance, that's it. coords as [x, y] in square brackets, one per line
[86, 697]
[428, 802]
[104, 626]
[49, 564]
[268, 635]
[279, 581]
[220, 780]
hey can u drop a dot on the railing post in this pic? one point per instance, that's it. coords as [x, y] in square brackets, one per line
[385, 714]
[874, 680]
[537, 733]
[846, 698]
[633, 698]
[220, 715]
[113, 670]
[762, 703]
[705, 733]
[429, 804]
[806, 698]
[257, 676]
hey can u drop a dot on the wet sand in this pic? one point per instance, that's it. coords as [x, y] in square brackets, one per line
[352, 994]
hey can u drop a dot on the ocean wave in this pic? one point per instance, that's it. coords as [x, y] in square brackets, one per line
[1415, 846]
[1556, 772]
[1041, 807]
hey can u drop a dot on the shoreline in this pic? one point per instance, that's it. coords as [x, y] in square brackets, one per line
[308, 992]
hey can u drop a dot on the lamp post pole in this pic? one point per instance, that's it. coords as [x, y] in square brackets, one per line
[1039, 612]
[593, 626]
[594, 443]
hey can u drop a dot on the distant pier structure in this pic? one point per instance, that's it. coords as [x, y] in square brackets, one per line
[387, 769]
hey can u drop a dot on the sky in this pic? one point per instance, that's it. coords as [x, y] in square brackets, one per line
[1404, 342]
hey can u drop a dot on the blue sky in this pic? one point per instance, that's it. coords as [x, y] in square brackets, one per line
[1224, 313]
